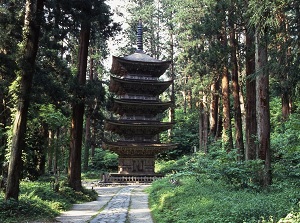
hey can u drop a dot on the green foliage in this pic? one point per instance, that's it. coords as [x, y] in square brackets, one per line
[185, 134]
[203, 194]
[38, 201]
[285, 141]
[217, 165]
[105, 160]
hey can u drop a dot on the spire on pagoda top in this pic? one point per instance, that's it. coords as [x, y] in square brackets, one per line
[139, 42]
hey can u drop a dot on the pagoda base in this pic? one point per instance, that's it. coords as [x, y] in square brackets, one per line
[133, 178]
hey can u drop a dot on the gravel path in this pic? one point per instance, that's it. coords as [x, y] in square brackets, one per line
[118, 204]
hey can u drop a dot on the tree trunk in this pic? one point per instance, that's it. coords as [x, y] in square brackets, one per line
[214, 107]
[239, 143]
[2, 127]
[50, 150]
[87, 144]
[262, 105]
[203, 125]
[42, 161]
[184, 101]
[172, 93]
[33, 13]
[74, 172]
[227, 130]
[285, 104]
[251, 123]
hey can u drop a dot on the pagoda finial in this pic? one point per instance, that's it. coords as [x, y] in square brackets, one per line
[140, 37]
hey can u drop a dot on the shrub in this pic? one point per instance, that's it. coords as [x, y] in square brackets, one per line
[207, 201]
[38, 201]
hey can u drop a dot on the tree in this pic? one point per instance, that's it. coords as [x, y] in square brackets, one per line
[251, 122]
[262, 104]
[28, 52]
[239, 143]
[74, 172]
[96, 13]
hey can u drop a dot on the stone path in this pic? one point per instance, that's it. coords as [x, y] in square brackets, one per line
[118, 204]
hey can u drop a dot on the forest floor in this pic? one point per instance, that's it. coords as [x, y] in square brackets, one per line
[115, 204]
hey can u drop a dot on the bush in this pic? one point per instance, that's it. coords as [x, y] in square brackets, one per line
[38, 201]
[216, 188]
[105, 160]
[207, 201]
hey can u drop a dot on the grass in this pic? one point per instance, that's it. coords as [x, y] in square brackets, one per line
[202, 194]
[38, 201]
[210, 201]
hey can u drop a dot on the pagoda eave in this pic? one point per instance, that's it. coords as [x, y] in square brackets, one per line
[138, 63]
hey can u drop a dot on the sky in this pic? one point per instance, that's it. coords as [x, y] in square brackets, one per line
[117, 6]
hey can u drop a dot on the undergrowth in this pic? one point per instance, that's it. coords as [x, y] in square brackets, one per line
[215, 188]
[38, 201]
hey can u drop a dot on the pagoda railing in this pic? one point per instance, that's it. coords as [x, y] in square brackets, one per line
[138, 97]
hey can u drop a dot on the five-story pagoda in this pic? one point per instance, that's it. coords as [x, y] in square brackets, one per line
[136, 83]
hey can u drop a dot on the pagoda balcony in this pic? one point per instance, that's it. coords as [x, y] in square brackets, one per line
[139, 107]
[138, 149]
[138, 118]
[141, 77]
[139, 97]
[135, 127]
[121, 86]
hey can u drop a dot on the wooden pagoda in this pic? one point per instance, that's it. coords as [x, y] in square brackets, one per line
[135, 81]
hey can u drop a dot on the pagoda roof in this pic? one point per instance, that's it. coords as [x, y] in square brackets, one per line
[137, 149]
[137, 127]
[138, 63]
[121, 86]
[127, 106]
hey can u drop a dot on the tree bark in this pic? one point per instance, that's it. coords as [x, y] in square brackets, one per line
[203, 124]
[2, 127]
[172, 90]
[285, 104]
[33, 12]
[239, 143]
[251, 122]
[214, 107]
[87, 144]
[74, 171]
[262, 105]
[227, 130]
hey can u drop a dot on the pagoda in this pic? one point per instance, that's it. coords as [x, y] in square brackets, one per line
[136, 84]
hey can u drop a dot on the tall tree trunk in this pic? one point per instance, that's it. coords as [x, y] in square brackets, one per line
[42, 161]
[2, 127]
[251, 122]
[203, 124]
[33, 14]
[172, 93]
[184, 101]
[50, 150]
[214, 107]
[284, 53]
[239, 143]
[74, 171]
[87, 144]
[262, 105]
[227, 130]
[285, 104]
